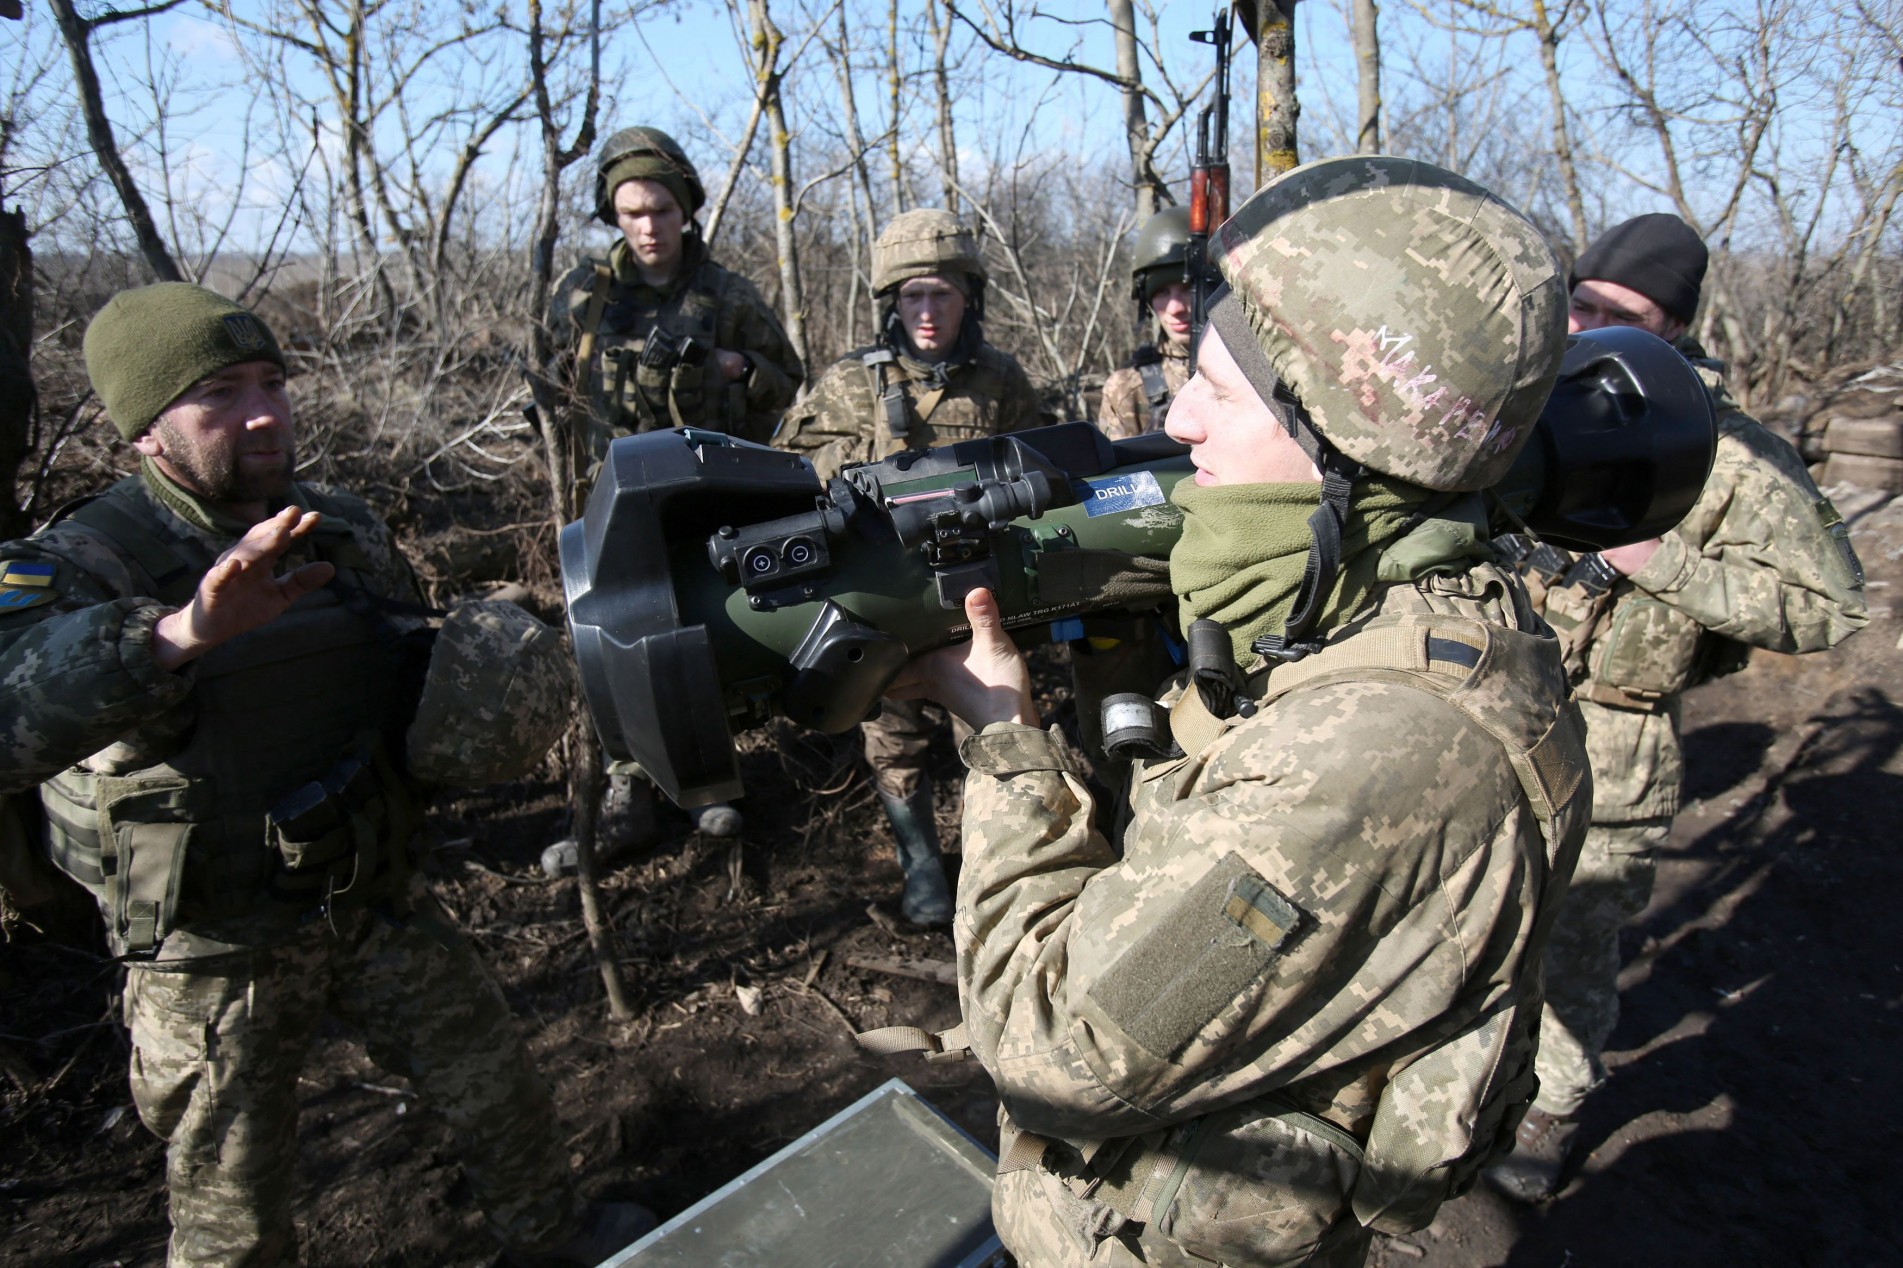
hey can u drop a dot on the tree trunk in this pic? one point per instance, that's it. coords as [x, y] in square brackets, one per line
[564, 445]
[941, 88]
[893, 81]
[1548, 36]
[792, 292]
[865, 214]
[1367, 77]
[1276, 109]
[1136, 122]
[17, 395]
[77, 32]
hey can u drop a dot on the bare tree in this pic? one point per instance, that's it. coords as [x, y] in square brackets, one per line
[997, 27]
[564, 427]
[1150, 190]
[1548, 29]
[77, 32]
[1271, 24]
[1367, 37]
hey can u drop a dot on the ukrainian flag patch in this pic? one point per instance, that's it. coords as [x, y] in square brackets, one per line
[25, 583]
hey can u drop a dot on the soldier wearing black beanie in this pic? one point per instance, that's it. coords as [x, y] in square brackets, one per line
[1658, 255]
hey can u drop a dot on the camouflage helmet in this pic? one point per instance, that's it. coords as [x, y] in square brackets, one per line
[668, 161]
[497, 696]
[925, 243]
[1159, 255]
[1418, 318]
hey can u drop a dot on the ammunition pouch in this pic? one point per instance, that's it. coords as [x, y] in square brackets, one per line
[342, 829]
[156, 852]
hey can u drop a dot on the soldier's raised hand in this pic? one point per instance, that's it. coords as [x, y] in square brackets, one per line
[242, 590]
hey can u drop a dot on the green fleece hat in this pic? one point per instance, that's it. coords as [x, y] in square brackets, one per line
[149, 344]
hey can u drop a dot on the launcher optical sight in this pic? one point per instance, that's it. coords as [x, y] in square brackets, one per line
[714, 584]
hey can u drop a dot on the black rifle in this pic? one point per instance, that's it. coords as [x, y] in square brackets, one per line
[1208, 180]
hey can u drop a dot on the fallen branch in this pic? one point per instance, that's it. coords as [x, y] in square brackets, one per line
[941, 971]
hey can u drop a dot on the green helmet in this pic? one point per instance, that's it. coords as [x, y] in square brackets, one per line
[1418, 318]
[645, 154]
[925, 243]
[498, 693]
[1161, 250]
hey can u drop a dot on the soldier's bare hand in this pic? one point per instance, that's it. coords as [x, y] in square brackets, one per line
[732, 364]
[983, 681]
[242, 591]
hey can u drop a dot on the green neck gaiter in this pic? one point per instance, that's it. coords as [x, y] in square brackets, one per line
[1239, 561]
[193, 509]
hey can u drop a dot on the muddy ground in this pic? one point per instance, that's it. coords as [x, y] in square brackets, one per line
[1753, 1116]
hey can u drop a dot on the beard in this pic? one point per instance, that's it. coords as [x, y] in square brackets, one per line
[215, 472]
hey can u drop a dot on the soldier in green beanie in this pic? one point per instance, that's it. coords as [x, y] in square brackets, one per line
[203, 675]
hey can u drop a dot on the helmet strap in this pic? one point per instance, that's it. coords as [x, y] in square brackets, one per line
[1339, 473]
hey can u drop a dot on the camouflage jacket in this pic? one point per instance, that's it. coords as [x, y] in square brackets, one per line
[671, 387]
[1762, 559]
[1263, 978]
[1127, 409]
[114, 741]
[842, 421]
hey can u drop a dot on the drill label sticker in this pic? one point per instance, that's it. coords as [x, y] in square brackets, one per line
[1122, 493]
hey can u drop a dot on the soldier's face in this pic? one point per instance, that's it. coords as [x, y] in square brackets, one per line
[1596, 305]
[932, 311]
[1233, 437]
[228, 437]
[1172, 308]
[651, 220]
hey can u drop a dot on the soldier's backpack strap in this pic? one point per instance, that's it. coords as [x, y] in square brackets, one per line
[1443, 656]
[591, 328]
[1156, 389]
[938, 1046]
[166, 573]
[890, 391]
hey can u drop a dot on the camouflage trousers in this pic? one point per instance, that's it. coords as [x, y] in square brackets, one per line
[1611, 885]
[216, 1052]
[896, 742]
[1045, 1225]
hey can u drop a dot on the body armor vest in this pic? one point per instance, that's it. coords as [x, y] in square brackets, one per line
[650, 361]
[924, 407]
[269, 788]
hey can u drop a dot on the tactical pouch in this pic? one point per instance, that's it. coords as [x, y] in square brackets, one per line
[144, 834]
[336, 832]
[1227, 1197]
[1648, 648]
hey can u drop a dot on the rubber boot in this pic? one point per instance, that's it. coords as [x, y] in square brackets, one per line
[927, 899]
[1531, 1173]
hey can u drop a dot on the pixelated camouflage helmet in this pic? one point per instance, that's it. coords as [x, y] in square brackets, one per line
[1158, 257]
[645, 154]
[498, 693]
[1419, 319]
[925, 243]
